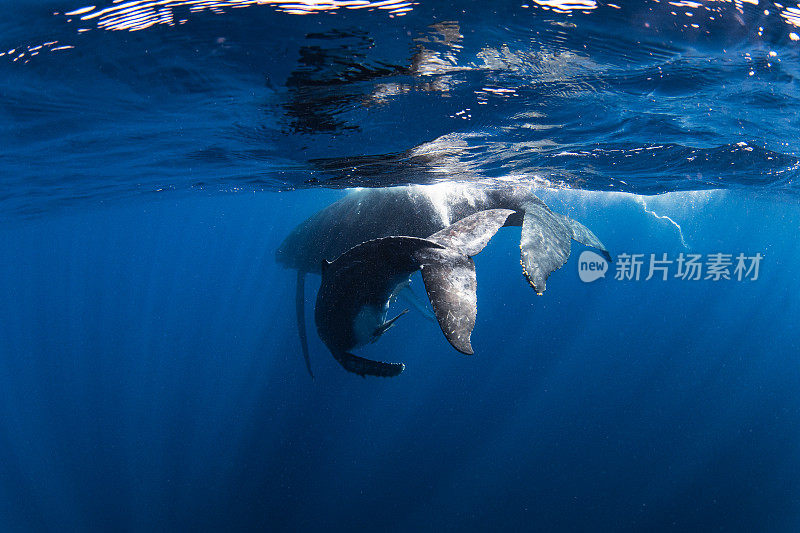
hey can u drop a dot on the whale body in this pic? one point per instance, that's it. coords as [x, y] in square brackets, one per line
[420, 211]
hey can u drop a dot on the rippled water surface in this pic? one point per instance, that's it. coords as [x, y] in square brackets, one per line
[106, 101]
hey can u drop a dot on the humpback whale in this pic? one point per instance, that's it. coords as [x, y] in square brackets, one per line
[420, 211]
[356, 288]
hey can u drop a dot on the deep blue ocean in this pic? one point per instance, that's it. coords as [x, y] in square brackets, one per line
[154, 154]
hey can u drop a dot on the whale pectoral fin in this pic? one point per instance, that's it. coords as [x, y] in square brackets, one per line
[383, 328]
[544, 244]
[367, 367]
[300, 311]
[451, 285]
[584, 235]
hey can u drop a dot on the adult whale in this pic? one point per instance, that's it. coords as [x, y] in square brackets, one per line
[420, 211]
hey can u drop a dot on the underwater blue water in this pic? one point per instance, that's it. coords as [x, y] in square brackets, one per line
[150, 373]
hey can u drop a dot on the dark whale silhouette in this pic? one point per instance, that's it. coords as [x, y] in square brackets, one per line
[420, 211]
[357, 287]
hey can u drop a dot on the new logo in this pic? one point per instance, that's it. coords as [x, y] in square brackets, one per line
[591, 266]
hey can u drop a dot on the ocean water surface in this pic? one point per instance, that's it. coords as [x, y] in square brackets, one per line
[155, 154]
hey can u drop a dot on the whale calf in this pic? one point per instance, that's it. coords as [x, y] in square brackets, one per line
[420, 211]
[353, 299]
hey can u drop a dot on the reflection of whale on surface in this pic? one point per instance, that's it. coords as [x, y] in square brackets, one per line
[356, 288]
[421, 211]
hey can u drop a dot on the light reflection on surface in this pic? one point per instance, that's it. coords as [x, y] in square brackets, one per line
[139, 15]
[134, 15]
[24, 54]
[566, 6]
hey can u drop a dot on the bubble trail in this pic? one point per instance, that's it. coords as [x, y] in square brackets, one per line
[641, 201]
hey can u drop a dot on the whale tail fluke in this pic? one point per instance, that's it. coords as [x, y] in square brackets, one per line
[449, 273]
[451, 285]
[471, 234]
[546, 241]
